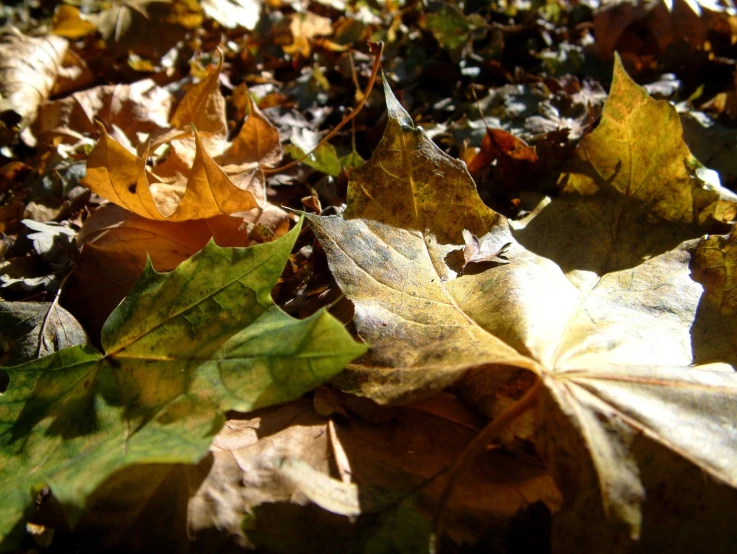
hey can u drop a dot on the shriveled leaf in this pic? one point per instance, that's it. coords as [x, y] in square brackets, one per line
[482, 251]
[598, 297]
[181, 349]
[30, 330]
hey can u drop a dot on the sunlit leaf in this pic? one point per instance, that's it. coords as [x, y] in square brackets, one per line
[180, 350]
[597, 297]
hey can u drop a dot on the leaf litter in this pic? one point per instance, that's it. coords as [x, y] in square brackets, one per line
[574, 289]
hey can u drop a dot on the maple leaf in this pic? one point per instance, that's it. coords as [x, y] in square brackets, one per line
[201, 175]
[183, 348]
[597, 298]
[116, 247]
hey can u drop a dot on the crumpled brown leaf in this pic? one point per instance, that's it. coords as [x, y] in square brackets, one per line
[598, 298]
[200, 174]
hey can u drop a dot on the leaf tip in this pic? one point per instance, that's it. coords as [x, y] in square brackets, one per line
[395, 109]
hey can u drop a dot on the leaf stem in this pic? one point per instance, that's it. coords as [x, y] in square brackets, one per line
[475, 447]
[377, 48]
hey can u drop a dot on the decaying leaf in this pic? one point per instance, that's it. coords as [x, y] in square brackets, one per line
[180, 350]
[598, 297]
[28, 69]
[201, 174]
[516, 162]
[482, 251]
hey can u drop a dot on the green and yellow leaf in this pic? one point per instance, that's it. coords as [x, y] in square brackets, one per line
[180, 350]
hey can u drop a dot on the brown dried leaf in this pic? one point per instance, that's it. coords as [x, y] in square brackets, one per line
[199, 175]
[141, 107]
[402, 458]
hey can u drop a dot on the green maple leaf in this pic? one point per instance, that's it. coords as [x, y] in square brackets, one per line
[180, 350]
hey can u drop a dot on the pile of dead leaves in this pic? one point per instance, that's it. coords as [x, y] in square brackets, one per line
[489, 308]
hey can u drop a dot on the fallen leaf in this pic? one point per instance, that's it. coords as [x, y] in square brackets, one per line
[482, 251]
[305, 27]
[133, 110]
[69, 23]
[516, 161]
[412, 196]
[598, 298]
[31, 330]
[636, 27]
[233, 13]
[284, 455]
[53, 248]
[29, 69]
[324, 158]
[450, 27]
[147, 27]
[202, 175]
[117, 245]
[181, 349]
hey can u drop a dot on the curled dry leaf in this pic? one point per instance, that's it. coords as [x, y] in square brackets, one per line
[284, 457]
[598, 298]
[29, 67]
[200, 174]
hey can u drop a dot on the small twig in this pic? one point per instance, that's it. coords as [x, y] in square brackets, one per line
[377, 49]
[475, 447]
